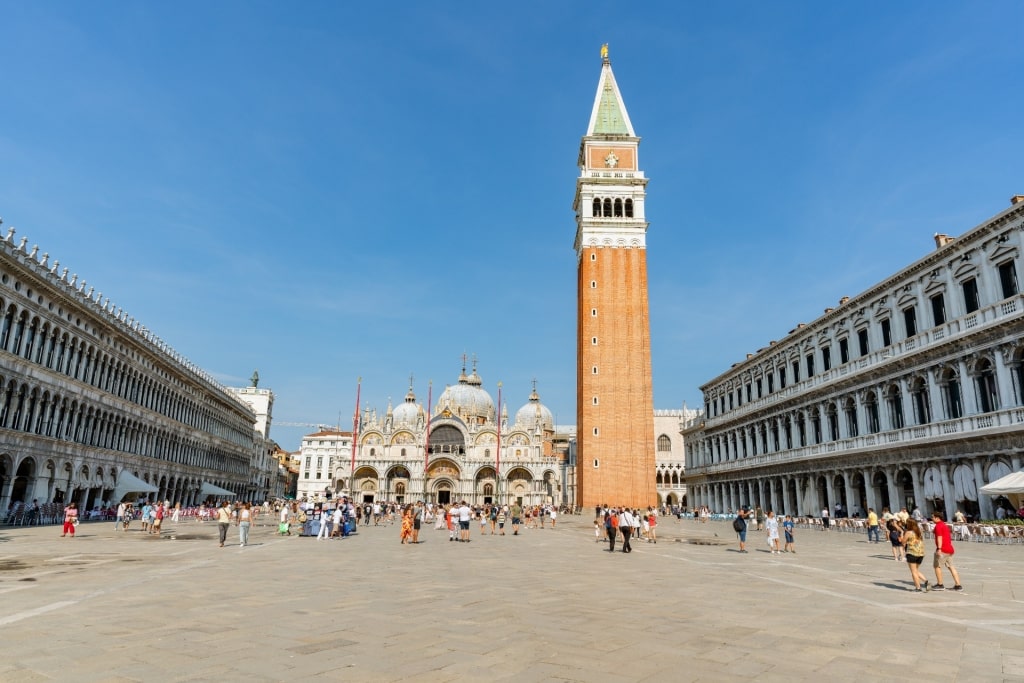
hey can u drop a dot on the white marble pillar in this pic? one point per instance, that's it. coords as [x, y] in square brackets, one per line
[1004, 380]
[984, 502]
[968, 390]
[948, 493]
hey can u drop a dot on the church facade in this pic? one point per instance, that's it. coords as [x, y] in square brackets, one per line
[464, 447]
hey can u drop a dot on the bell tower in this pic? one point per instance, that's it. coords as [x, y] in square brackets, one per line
[614, 396]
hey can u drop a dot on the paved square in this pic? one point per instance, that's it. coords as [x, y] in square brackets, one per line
[548, 605]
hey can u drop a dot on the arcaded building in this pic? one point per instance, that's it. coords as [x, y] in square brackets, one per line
[614, 398]
[93, 406]
[910, 393]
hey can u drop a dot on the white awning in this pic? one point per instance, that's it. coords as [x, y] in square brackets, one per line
[129, 483]
[208, 489]
[1010, 484]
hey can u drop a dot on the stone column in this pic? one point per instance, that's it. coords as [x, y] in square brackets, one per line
[1004, 380]
[948, 494]
[844, 429]
[968, 390]
[869, 493]
[984, 502]
[935, 398]
[851, 495]
[915, 482]
[906, 402]
[830, 495]
[895, 503]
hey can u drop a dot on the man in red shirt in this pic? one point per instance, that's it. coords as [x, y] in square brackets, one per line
[943, 553]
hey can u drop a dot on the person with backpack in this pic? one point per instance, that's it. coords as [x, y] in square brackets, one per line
[739, 525]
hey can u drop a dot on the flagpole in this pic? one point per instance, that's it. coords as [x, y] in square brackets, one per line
[497, 454]
[426, 438]
[355, 441]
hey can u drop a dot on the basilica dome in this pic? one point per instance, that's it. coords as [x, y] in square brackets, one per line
[467, 400]
[406, 413]
[533, 413]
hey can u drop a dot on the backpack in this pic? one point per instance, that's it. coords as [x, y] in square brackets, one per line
[738, 525]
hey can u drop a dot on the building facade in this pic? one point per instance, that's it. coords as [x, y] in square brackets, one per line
[322, 455]
[463, 448]
[92, 403]
[614, 401]
[910, 393]
[670, 455]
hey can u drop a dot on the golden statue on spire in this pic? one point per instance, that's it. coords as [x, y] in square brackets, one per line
[604, 52]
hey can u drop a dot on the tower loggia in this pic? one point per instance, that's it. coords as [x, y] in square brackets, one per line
[615, 435]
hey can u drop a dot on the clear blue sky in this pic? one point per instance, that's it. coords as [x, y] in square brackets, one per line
[327, 190]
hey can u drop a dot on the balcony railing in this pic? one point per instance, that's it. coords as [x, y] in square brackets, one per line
[969, 324]
[963, 427]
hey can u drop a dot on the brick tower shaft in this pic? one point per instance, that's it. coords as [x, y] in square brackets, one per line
[615, 429]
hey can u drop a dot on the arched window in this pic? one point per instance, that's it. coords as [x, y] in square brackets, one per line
[919, 399]
[951, 399]
[618, 208]
[608, 208]
[596, 207]
[871, 413]
[664, 444]
[629, 208]
[985, 379]
[833, 422]
[894, 404]
[850, 408]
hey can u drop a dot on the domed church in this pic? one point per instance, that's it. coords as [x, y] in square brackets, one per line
[467, 449]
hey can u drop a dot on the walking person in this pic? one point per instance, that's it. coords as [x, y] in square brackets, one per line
[244, 523]
[325, 525]
[739, 525]
[611, 528]
[464, 515]
[895, 531]
[771, 525]
[944, 552]
[158, 518]
[122, 506]
[70, 519]
[405, 536]
[517, 515]
[652, 525]
[176, 517]
[913, 541]
[417, 522]
[873, 530]
[223, 521]
[626, 521]
[787, 528]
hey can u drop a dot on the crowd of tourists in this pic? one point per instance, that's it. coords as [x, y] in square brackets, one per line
[614, 523]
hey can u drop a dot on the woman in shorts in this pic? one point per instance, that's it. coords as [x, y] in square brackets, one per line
[895, 532]
[913, 541]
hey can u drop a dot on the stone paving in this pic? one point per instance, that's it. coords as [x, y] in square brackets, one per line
[548, 605]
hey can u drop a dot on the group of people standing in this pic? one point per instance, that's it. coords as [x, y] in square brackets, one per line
[627, 523]
[770, 524]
